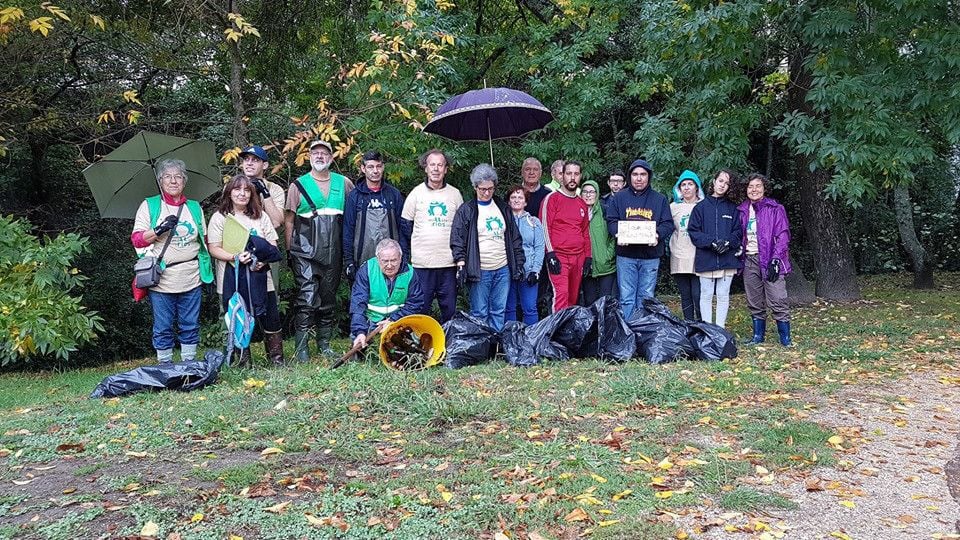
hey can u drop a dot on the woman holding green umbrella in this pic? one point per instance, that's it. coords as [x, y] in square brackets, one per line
[169, 227]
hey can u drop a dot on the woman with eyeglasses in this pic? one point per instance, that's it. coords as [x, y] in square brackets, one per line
[169, 227]
[601, 278]
[487, 248]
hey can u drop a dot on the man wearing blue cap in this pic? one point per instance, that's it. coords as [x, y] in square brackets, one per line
[254, 163]
[638, 264]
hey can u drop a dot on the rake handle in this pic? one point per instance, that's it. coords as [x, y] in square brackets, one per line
[356, 348]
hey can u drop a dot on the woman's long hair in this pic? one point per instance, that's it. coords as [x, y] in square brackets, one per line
[732, 185]
[254, 209]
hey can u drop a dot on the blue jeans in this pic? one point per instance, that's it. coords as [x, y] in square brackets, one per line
[527, 295]
[488, 297]
[182, 309]
[637, 279]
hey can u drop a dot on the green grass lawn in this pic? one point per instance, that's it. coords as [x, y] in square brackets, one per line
[555, 451]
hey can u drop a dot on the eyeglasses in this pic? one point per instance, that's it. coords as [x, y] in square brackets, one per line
[169, 177]
[485, 189]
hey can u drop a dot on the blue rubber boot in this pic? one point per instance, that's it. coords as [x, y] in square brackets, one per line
[759, 331]
[783, 328]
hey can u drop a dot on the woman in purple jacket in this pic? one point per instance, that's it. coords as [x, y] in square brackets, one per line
[766, 259]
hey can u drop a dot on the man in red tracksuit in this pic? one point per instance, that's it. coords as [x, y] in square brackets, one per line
[566, 225]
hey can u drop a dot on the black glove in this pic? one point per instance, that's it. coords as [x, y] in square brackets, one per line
[461, 276]
[519, 275]
[773, 270]
[261, 188]
[351, 271]
[533, 278]
[553, 263]
[721, 246]
[587, 266]
[167, 224]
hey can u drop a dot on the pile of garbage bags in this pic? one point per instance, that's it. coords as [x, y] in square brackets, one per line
[599, 331]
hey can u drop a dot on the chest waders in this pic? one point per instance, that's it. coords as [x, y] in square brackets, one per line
[317, 257]
[373, 225]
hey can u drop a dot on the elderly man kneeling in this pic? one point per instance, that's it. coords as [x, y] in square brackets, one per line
[385, 289]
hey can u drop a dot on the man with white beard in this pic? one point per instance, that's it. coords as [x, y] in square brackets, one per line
[314, 234]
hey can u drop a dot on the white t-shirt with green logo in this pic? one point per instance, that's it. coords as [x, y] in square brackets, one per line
[431, 211]
[752, 246]
[182, 272]
[490, 232]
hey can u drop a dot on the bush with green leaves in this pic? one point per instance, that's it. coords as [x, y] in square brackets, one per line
[38, 316]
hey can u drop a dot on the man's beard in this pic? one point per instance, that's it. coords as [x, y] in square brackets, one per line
[319, 168]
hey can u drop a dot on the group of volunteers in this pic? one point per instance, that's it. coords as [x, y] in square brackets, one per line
[401, 253]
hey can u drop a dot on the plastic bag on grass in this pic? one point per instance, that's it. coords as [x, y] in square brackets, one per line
[469, 341]
[181, 376]
[661, 336]
[615, 340]
[570, 332]
[519, 350]
[711, 341]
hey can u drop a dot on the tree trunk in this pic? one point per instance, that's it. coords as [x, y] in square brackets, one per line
[919, 257]
[240, 130]
[822, 218]
[799, 289]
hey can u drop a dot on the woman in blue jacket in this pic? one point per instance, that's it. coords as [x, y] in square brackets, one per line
[531, 235]
[715, 230]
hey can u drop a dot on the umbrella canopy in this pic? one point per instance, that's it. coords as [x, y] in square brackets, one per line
[488, 114]
[125, 177]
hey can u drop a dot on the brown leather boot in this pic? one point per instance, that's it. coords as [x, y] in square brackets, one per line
[273, 343]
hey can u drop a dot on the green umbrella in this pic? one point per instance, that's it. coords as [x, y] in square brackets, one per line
[125, 177]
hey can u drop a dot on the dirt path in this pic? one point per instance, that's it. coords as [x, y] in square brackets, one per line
[898, 475]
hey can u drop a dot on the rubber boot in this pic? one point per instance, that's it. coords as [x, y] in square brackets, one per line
[759, 331]
[301, 340]
[323, 342]
[273, 343]
[164, 356]
[783, 328]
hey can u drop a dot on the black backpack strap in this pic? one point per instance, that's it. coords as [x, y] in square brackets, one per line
[303, 193]
[166, 244]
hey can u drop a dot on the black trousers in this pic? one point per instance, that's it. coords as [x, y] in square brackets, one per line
[689, 285]
[593, 288]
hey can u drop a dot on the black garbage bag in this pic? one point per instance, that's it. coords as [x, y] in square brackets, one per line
[615, 340]
[469, 341]
[661, 336]
[182, 376]
[517, 347]
[711, 341]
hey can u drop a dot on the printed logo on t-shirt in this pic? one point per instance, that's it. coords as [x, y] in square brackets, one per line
[645, 213]
[752, 225]
[181, 240]
[375, 203]
[437, 210]
[583, 213]
[495, 227]
[683, 224]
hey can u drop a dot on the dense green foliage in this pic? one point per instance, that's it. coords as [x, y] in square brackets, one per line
[840, 102]
[39, 315]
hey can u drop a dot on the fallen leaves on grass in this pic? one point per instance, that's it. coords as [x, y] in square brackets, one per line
[331, 521]
[577, 514]
[150, 529]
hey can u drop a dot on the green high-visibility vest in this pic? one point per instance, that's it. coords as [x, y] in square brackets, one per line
[333, 204]
[382, 303]
[206, 266]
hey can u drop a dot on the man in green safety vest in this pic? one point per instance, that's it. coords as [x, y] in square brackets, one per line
[385, 289]
[313, 229]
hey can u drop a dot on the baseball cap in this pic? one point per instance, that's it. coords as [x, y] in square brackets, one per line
[324, 144]
[256, 151]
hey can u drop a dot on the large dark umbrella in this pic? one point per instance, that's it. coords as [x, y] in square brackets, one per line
[488, 114]
[123, 178]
